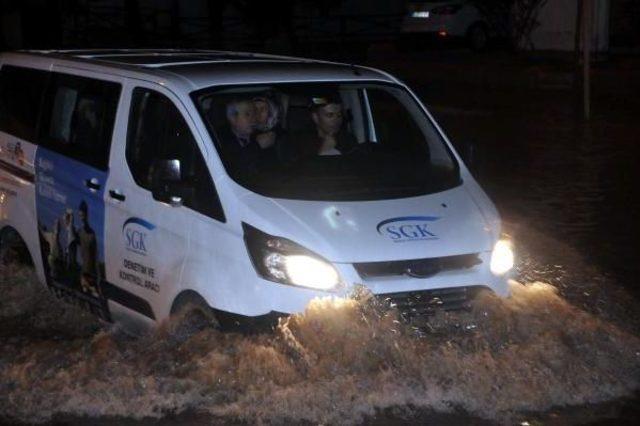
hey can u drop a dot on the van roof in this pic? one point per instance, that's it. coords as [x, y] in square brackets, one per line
[203, 68]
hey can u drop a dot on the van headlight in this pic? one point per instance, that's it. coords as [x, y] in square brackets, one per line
[502, 257]
[283, 261]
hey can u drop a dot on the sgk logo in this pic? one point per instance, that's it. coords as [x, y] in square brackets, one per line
[408, 228]
[135, 234]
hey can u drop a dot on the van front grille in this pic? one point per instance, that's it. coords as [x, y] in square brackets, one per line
[417, 268]
[426, 302]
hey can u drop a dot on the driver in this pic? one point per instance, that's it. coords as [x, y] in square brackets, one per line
[331, 137]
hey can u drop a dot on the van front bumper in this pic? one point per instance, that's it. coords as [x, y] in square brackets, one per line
[281, 299]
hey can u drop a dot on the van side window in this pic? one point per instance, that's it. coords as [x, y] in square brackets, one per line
[21, 92]
[79, 116]
[391, 122]
[157, 131]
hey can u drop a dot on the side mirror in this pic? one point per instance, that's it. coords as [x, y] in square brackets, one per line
[166, 177]
[166, 170]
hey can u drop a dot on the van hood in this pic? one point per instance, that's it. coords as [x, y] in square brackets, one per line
[434, 225]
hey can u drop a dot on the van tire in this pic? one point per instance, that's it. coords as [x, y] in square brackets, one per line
[13, 249]
[193, 312]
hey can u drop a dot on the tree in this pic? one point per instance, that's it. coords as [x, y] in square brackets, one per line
[133, 22]
[513, 19]
[40, 23]
[216, 9]
[268, 20]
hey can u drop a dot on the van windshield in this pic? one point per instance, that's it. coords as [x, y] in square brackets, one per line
[338, 142]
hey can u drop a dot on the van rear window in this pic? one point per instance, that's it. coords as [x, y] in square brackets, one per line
[78, 118]
[21, 91]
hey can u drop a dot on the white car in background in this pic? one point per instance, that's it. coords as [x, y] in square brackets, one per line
[447, 19]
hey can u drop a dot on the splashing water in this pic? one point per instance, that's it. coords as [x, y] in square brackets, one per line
[340, 361]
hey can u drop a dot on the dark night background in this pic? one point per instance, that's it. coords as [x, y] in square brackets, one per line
[285, 26]
[554, 175]
[518, 102]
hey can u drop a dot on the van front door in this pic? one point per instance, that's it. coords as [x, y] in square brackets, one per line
[149, 202]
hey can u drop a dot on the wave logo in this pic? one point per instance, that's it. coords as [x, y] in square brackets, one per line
[408, 228]
[135, 234]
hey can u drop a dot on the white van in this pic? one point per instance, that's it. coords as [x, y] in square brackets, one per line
[140, 181]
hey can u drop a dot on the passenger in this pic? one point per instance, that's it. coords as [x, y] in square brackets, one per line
[267, 115]
[270, 135]
[86, 125]
[236, 136]
[331, 138]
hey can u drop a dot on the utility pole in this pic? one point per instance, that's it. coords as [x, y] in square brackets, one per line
[577, 39]
[586, 57]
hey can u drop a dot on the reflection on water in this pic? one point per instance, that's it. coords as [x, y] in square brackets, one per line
[544, 166]
[339, 362]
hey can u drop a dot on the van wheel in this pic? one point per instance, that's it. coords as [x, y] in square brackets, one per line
[190, 313]
[478, 37]
[13, 249]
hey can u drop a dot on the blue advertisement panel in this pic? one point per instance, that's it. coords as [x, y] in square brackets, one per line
[70, 210]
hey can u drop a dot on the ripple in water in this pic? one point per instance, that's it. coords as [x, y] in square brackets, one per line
[340, 361]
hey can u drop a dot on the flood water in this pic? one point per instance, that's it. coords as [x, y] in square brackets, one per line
[566, 338]
[574, 180]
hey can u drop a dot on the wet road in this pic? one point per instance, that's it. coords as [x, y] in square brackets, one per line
[543, 164]
[568, 192]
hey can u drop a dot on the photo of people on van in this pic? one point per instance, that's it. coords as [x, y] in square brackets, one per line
[316, 141]
[71, 250]
[71, 230]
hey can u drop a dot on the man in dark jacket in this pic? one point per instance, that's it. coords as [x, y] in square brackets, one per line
[239, 150]
[331, 138]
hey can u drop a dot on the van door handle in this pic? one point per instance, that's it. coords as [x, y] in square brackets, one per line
[117, 195]
[92, 184]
